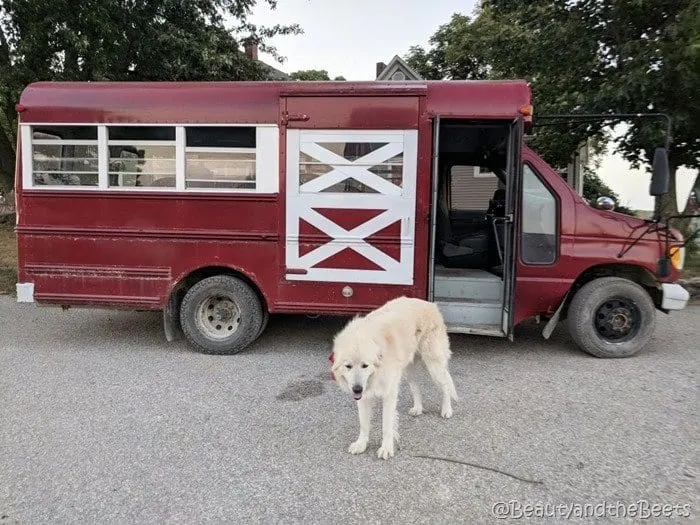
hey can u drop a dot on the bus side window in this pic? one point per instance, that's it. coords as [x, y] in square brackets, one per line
[64, 155]
[539, 220]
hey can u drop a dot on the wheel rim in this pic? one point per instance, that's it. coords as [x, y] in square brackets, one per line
[617, 319]
[218, 317]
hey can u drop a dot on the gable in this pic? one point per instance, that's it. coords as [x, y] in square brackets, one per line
[398, 70]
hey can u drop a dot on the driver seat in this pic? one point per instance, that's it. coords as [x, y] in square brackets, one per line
[454, 252]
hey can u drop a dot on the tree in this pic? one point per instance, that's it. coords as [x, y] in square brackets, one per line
[586, 56]
[312, 74]
[122, 40]
[594, 187]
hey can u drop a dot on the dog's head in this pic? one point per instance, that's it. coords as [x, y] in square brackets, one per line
[356, 359]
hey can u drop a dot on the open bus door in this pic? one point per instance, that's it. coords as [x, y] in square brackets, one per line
[514, 176]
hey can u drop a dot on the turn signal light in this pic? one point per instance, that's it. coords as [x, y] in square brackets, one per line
[526, 110]
[677, 256]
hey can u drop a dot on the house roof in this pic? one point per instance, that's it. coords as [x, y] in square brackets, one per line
[397, 67]
[273, 73]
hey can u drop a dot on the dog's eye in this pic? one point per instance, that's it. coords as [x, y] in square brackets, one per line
[348, 367]
[364, 365]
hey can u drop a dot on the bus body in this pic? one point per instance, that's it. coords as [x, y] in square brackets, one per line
[221, 202]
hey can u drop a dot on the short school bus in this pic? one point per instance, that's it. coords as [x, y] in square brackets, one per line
[220, 203]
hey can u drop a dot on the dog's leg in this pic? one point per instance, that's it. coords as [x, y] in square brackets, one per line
[364, 411]
[389, 422]
[417, 408]
[438, 371]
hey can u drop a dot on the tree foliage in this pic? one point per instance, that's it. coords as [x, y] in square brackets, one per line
[122, 40]
[594, 187]
[586, 56]
[312, 74]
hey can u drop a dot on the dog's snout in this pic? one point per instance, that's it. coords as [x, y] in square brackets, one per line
[357, 389]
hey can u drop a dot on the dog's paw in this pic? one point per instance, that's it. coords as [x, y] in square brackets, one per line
[446, 412]
[415, 411]
[386, 451]
[358, 447]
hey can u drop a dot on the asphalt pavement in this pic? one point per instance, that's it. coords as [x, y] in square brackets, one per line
[102, 421]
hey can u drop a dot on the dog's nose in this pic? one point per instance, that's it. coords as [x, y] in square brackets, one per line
[357, 389]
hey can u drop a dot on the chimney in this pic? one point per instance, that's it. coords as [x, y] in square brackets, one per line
[381, 66]
[251, 49]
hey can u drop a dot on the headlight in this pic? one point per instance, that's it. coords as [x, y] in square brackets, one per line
[677, 256]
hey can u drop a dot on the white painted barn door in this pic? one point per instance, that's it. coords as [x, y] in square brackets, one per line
[350, 209]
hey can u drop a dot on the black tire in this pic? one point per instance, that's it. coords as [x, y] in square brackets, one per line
[263, 325]
[611, 317]
[234, 307]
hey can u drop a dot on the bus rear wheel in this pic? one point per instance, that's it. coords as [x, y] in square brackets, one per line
[221, 315]
[611, 317]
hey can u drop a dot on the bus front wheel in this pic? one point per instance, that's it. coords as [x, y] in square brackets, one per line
[611, 317]
[221, 315]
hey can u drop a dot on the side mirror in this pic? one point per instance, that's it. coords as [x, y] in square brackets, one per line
[605, 203]
[659, 173]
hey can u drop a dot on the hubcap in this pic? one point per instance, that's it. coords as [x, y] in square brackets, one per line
[617, 319]
[218, 317]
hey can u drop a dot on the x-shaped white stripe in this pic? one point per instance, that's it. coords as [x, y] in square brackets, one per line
[355, 238]
[343, 169]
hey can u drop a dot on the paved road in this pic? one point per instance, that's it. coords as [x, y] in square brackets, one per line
[101, 421]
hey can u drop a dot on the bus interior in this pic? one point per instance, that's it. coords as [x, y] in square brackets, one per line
[469, 204]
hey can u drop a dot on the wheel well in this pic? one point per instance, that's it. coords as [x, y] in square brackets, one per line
[637, 274]
[180, 289]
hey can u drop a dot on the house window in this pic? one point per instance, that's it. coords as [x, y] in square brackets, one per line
[141, 156]
[221, 157]
[64, 156]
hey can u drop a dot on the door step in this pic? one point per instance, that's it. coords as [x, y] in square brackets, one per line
[463, 284]
[472, 313]
[486, 329]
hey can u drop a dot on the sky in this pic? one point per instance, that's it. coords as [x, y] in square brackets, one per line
[348, 38]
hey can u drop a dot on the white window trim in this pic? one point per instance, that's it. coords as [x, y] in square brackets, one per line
[204, 149]
[478, 174]
[65, 142]
[266, 156]
[143, 143]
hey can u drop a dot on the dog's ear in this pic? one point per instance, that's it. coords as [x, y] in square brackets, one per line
[335, 365]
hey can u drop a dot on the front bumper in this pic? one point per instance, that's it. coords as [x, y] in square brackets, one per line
[674, 296]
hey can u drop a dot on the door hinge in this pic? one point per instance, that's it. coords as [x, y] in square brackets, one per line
[290, 117]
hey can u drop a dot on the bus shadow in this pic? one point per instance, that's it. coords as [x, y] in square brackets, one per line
[284, 333]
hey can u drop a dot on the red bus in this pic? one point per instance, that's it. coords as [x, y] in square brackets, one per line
[222, 202]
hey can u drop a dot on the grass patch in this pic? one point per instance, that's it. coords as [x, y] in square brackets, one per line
[8, 260]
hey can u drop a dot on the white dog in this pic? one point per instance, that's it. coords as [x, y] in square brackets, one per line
[372, 353]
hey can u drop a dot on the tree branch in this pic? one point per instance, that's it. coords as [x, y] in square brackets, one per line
[459, 462]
